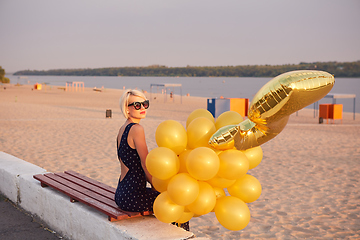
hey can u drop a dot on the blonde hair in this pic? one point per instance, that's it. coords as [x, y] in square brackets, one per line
[124, 100]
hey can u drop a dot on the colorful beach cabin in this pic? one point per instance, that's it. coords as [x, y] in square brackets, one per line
[219, 105]
[37, 86]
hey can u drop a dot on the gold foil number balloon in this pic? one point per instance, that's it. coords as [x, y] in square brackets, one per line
[271, 107]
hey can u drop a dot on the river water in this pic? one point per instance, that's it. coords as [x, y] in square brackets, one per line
[208, 87]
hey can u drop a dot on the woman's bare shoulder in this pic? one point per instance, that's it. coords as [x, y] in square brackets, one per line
[137, 129]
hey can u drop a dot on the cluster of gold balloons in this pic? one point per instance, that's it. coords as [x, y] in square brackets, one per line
[192, 176]
[191, 167]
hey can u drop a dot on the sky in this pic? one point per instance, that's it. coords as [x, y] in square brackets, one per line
[68, 34]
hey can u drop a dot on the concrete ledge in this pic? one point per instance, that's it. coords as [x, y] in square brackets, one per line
[73, 220]
[10, 169]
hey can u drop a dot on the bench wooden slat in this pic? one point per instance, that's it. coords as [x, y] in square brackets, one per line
[114, 213]
[86, 185]
[88, 191]
[91, 181]
[81, 189]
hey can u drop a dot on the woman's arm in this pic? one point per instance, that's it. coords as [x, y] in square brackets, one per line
[138, 136]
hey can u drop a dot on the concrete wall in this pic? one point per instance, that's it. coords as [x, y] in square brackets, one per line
[73, 220]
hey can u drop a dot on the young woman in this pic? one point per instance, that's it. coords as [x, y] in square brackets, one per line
[132, 193]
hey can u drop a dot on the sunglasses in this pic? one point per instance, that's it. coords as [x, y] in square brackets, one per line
[137, 105]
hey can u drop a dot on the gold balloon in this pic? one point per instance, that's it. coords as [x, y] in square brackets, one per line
[182, 157]
[217, 151]
[220, 182]
[171, 134]
[232, 213]
[199, 113]
[272, 105]
[160, 185]
[254, 155]
[228, 118]
[186, 216]
[199, 132]
[206, 200]
[183, 189]
[219, 192]
[162, 163]
[247, 188]
[202, 163]
[166, 210]
[233, 164]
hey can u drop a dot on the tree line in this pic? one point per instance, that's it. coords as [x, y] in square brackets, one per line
[338, 69]
[3, 79]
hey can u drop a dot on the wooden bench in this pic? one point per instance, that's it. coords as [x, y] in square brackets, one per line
[88, 191]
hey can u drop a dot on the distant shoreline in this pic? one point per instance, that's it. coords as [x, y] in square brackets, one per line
[338, 69]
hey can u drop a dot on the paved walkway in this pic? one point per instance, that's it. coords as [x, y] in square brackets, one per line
[17, 224]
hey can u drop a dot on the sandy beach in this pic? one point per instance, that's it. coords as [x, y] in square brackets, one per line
[309, 173]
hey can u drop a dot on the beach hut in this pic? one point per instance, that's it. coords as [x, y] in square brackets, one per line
[217, 106]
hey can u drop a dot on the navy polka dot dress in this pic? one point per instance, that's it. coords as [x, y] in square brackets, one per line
[132, 194]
